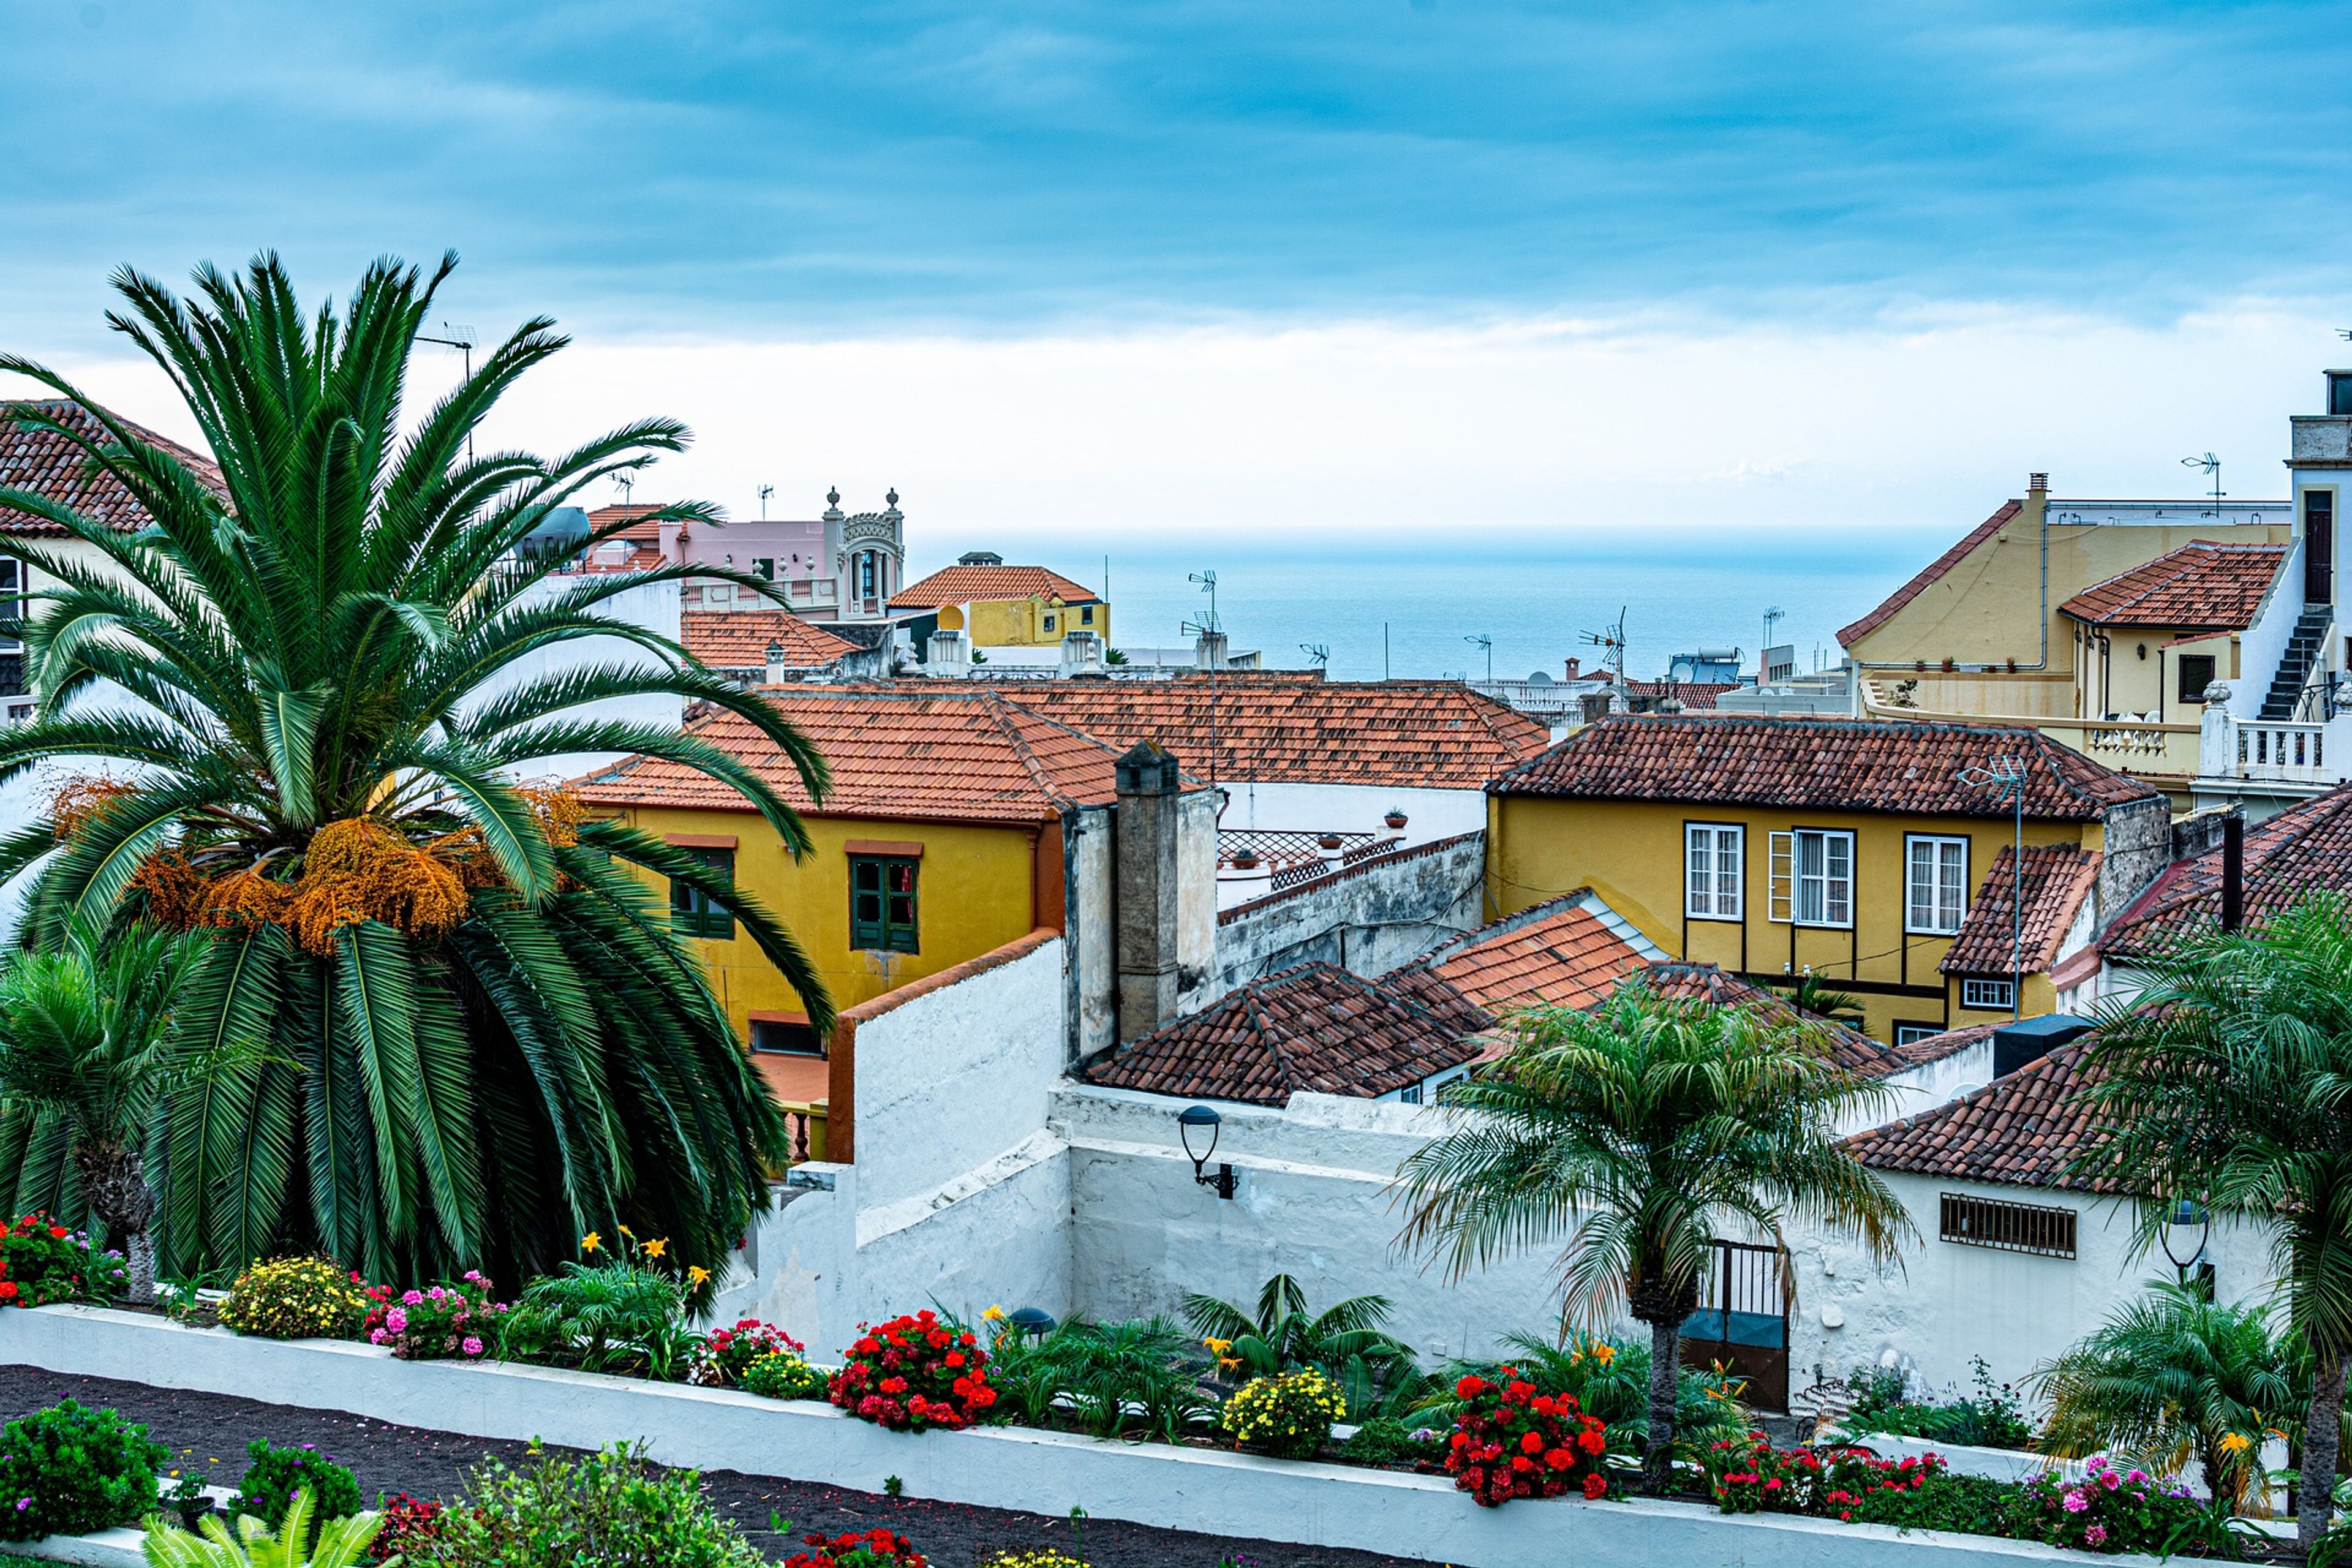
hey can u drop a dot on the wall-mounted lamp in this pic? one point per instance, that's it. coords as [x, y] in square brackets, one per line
[2184, 1233]
[1189, 1122]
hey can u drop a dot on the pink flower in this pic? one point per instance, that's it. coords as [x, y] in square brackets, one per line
[397, 1320]
[413, 1299]
[473, 1346]
[2111, 1480]
[375, 1336]
[2096, 1535]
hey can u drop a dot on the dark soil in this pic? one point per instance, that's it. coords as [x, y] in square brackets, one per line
[208, 1432]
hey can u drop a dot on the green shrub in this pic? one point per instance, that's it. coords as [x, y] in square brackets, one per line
[619, 1316]
[780, 1374]
[1119, 1376]
[606, 1507]
[69, 1469]
[1989, 1418]
[1385, 1440]
[1288, 1415]
[276, 1474]
[1974, 1505]
[297, 1299]
[338, 1543]
[42, 1261]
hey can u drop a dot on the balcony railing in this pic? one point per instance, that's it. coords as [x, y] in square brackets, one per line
[2283, 753]
[806, 1118]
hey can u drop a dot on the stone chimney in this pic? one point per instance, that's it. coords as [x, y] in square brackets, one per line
[1082, 657]
[1147, 876]
[1574, 664]
[1209, 651]
[775, 664]
[948, 655]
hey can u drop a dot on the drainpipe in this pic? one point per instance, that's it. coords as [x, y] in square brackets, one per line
[2233, 871]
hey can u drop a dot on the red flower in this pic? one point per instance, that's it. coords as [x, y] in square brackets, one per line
[1470, 1387]
[1593, 1440]
[1594, 1485]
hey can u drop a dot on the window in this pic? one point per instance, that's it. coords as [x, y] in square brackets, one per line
[1712, 856]
[1410, 1094]
[765, 567]
[2011, 1228]
[1939, 885]
[695, 913]
[882, 903]
[1812, 877]
[11, 606]
[1990, 995]
[1086, 615]
[2195, 675]
[1049, 623]
[865, 574]
[781, 1037]
[1908, 1034]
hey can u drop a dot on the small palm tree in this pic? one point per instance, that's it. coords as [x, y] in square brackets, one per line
[2171, 1377]
[2224, 1081]
[83, 1065]
[342, 1543]
[1813, 994]
[1632, 1135]
[1345, 1341]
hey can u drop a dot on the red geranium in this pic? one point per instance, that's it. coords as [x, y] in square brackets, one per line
[1510, 1441]
[862, 1546]
[912, 1374]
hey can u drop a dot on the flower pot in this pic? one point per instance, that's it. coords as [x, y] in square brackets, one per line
[1244, 862]
[1328, 841]
[1394, 819]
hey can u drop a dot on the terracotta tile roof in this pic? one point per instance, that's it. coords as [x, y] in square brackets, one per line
[1932, 573]
[644, 534]
[2021, 1130]
[2201, 585]
[739, 640]
[1569, 950]
[1428, 734]
[1828, 764]
[1850, 1049]
[1950, 1043]
[1314, 1028]
[964, 757]
[1695, 696]
[2058, 877]
[2305, 848]
[48, 464]
[969, 585]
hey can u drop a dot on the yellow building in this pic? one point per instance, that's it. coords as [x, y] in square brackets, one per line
[998, 605]
[2150, 640]
[1773, 847]
[940, 840]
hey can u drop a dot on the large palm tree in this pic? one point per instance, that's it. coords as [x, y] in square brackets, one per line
[83, 1064]
[2228, 1080]
[1632, 1135]
[473, 1035]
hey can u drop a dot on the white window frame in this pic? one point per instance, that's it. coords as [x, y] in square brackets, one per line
[1909, 1034]
[1706, 846]
[1938, 908]
[12, 583]
[1792, 882]
[1988, 995]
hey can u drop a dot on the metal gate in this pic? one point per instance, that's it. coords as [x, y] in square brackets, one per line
[1742, 1320]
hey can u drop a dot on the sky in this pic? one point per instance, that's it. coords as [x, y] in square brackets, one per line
[1438, 272]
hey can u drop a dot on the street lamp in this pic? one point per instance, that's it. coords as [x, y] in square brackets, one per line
[2184, 1232]
[1195, 1122]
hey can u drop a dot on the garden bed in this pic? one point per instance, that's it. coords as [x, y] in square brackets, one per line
[1040, 1473]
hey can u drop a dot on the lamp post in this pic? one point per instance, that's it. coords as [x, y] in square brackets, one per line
[2185, 1231]
[1032, 1322]
[1195, 1122]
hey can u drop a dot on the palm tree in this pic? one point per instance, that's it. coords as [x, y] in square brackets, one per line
[1632, 1135]
[1344, 1341]
[1812, 994]
[2171, 1377]
[82, 1064]
[474, 1036]
[2224, 1081]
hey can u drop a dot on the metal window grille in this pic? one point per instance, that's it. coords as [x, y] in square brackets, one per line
[2007, 1226]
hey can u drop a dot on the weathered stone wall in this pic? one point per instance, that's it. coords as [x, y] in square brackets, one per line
[1368, 917]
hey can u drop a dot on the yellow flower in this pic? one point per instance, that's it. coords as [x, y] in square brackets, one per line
[698, 1275]
[1604, 1353]
[994, 1315]
[625, 1230]
[2236, 1443]
[654, 1247]
[1218, 1347]
[590, 1242]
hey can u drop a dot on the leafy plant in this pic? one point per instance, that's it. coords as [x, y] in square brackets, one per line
[473, 1031]
[874, 1548]
[1636, 1133]
[41, 1261]
[1812, 994]
[277, 1477]
[1133, 1374]
[297, 1299]
[914, 1373]
[1346, 1342]
[1286, 1413]
[412, 1527]
[1385, 1440]
[441, 1321]
[610, 1506]
[340, 1543]
[783, 1374]
[1512, 1440]
[1611, 1380]
[2110, 1510]
[82, 1063]
[69, 1469]
[726, 1355]
[625, 1313]
[1990, 1417]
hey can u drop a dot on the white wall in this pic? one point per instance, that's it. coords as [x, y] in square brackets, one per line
[652, 606]
[1927, 1086]
[1353, 808]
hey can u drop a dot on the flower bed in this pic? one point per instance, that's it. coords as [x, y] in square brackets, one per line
[1038, 1471]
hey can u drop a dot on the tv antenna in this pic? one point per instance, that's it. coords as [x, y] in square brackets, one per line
[1208, 623]
[629, 486]
[765, 492]
[1612, 640]
[1206, 626]
[1480, 639]
[1317, 653]
[462, 339]
[2210, 465]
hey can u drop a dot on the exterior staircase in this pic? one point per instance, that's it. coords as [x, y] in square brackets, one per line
[2295, 664]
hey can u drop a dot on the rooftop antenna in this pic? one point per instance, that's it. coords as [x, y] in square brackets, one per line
[462, 340]
[1612, 640]
[1202, 627]
[765, 492]
[2210, 465]
[1208, 623]
[2006, 779]
[1317, 653]
[1772, 617]
[628, 484]
[1480, 639]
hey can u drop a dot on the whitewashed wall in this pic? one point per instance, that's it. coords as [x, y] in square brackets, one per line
[1353, 808]
[1925, 1087]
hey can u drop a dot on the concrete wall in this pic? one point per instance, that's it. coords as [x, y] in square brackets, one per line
[1368, 917]
[1353, 808]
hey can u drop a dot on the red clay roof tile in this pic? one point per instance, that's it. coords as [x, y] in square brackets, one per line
[2202, 585]
[51, 465]
[2021, 1130]
[2058, 878]
[2303, 849]
[990, 585]
[739, 640]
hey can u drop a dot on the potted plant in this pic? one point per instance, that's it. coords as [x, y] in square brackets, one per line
[1948, 664]
[1395, 818]
[1244, 860]
[1326, 841]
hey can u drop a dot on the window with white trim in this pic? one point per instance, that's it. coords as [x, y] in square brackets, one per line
[1713, 855]
[1989, 996]
[1911, 1034]
[1812, 877]
[1936, 884]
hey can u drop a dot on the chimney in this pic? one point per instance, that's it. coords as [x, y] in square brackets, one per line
[1150, 793]
[1574, 664]
[2233, 871]
[1082, 657]
[775, 664]
[948, 655]
[2037, 484]
[1209, 651]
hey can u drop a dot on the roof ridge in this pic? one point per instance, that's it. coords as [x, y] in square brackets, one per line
[996, 708]
[1268, 1031]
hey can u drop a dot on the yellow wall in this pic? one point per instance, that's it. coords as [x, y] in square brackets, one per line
[1020, 623]
[1630, 854]
[974, 894]
[2116, 678]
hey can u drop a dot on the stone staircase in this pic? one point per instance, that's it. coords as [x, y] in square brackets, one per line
[2295, 664]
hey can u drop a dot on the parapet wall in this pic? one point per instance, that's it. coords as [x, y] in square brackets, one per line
[1368, 917]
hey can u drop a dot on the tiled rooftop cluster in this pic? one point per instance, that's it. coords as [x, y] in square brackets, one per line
[2202, 586]
[2058, 878]
[2303, 849]
[739, 640]
[990, 585]
[2021, 1130]
[45, 461]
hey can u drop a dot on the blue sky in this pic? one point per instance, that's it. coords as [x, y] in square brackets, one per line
[713, 168]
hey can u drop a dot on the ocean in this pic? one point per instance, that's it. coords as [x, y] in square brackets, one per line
[1408, 608]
